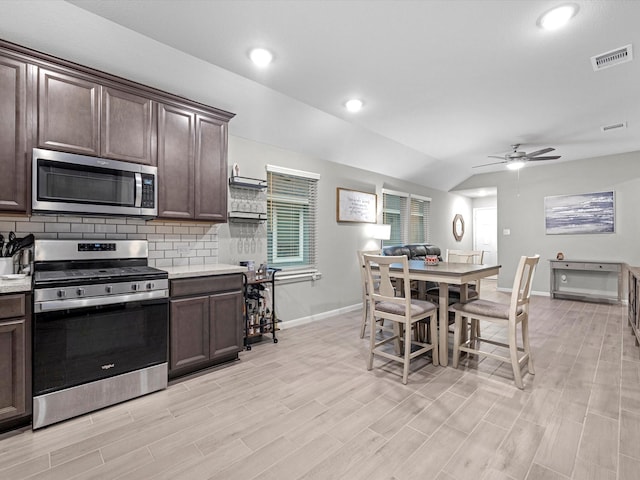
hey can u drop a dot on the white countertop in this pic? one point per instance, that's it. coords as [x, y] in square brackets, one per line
[202, 270]
[18, 285]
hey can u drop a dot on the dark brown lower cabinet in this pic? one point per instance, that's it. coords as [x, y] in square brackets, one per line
[205, 319]
[15, 360]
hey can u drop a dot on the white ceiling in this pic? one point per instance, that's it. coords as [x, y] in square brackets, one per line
[445, 82]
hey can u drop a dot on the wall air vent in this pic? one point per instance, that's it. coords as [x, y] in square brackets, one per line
[612, 58]
[613, 126]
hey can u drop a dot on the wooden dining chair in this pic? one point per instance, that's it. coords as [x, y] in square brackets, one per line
[401, 310]
[366, 298]
[465, 256]
[508, 316]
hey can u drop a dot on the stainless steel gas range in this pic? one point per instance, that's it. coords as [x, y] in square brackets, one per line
[100, 326]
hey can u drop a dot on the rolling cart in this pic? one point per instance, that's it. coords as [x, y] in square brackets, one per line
[259, 306]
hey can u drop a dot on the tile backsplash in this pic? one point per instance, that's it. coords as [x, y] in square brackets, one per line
[171, 244]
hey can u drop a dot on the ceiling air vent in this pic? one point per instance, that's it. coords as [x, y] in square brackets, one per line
[613, 126]
[612, 58]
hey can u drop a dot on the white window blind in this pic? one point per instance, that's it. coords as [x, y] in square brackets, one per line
[394, 213]
[291, 219]
[408, 216]
[419, 220]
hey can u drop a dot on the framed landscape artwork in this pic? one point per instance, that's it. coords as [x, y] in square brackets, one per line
[580, 214]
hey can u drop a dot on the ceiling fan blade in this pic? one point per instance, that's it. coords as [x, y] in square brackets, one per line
[552, 157]
[540, 152]
[487, 164]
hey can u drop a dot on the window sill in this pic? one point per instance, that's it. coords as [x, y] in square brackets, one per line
[294, 276]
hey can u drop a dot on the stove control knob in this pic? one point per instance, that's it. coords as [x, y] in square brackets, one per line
[62, 294]
[135, 287]
[150, 286]
[80, 292]
[108, 289]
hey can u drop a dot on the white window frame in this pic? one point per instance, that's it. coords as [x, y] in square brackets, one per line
[301, 272]
[405, 216]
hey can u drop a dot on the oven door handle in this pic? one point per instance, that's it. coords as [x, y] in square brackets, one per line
[69, 304]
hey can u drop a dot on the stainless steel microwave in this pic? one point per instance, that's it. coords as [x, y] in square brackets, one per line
[68, 184]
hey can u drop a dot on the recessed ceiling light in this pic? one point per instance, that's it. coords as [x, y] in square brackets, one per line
[558, 17]
[354, 105]
[261, 57]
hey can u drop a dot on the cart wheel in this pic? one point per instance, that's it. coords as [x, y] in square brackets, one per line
[248, 347]
[275, 340]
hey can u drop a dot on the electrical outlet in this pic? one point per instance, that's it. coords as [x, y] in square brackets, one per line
[506, 231]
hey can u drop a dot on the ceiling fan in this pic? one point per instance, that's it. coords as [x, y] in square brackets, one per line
[516, 160]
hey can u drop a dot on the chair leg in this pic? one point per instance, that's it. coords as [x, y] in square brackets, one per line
[397, 342]
[513, 351]
[433, 328]
[407, 352]
[525, 344]
[365, 317]
[456, 339]
[372, 339]
[474, 332]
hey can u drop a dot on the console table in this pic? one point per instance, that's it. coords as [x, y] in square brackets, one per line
[587, 280]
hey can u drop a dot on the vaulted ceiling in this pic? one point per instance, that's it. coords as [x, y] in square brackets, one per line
[445, 83]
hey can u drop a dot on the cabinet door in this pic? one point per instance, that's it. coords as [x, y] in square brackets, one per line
[13, 401]
[189, 332]
[226, 324]
[68, 113]
[127, 128]
[211, 169]
[176, 138]
[13, 135]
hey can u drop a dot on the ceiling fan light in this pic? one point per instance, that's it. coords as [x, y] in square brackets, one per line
[558, 17]
[515, 165]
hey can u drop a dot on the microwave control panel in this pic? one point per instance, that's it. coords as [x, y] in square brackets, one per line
[148, 191]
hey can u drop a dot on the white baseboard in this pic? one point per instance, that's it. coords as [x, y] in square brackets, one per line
[533, 292]
[320, 316]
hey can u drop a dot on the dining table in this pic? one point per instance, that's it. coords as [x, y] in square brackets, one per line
[445, 274]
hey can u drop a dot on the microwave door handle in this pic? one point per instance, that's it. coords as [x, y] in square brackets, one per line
[138, 201]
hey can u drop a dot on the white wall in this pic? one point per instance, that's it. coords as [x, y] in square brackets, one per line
[521, 210]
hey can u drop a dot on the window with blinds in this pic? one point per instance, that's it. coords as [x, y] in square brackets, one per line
[408, 216]
[291, 218]
[419, 220]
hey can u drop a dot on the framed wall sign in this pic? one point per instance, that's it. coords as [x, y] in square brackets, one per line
[354, 206]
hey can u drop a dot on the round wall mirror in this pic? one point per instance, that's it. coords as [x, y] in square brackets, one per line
[458, 227]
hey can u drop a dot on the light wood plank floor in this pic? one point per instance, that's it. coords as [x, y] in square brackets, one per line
[307, 408]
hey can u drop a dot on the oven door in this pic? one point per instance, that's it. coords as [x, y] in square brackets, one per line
[73, 347]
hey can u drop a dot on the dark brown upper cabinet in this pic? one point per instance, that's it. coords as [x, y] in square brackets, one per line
[176, 139]
[128, 127]
[68, 113]
[77, 114]
[211, 169]
[13, 134]
[192, 165]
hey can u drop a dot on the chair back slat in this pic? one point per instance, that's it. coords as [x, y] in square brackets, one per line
[363, 273]
[388, 278]
[521, 293]
[465, 256]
